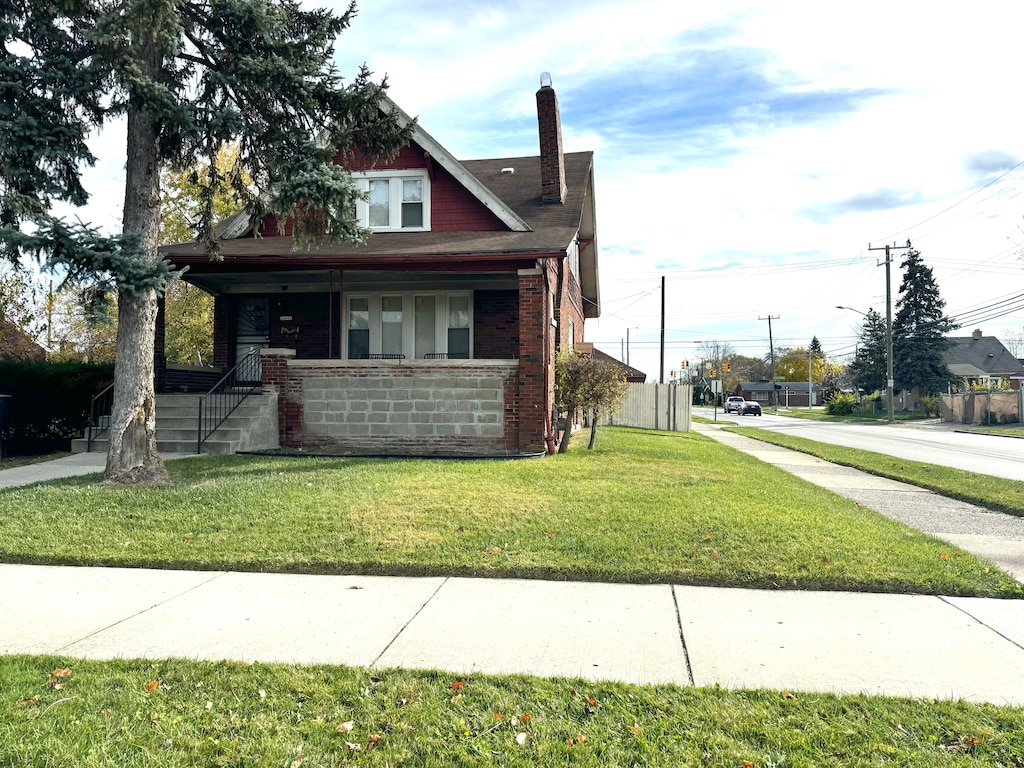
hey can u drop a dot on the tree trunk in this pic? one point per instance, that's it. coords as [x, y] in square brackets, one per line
[133, 457]
[593, 429]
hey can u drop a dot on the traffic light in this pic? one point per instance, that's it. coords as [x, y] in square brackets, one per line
[713, 372]
[725, 367]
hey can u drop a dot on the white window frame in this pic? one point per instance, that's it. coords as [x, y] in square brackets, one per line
[408, 320]
[395, 178]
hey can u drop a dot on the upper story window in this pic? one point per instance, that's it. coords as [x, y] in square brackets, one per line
[399, 200]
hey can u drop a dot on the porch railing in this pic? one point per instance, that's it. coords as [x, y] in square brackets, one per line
[100, 408]
[227, 394]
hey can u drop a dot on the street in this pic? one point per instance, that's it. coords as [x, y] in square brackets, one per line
[931, 442]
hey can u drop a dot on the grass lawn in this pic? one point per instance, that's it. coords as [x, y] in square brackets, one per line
[879, 416]
[61, 712]
[642, 507]
[987, 491]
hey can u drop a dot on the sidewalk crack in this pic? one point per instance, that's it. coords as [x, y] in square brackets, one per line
[169, 598]
[682, 637]
[989, 627]
[412, 618]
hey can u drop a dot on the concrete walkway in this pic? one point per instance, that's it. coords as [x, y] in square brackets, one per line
[905, 645]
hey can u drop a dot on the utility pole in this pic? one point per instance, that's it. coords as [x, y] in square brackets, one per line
[888, 319]
[771, 351]
[661, 375]
[810, 377]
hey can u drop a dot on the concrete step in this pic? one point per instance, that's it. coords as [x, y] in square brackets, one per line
[251, 426]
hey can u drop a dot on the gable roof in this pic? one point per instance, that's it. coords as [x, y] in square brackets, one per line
[18, 345]
[632, 374]
[535, 230]
[976, 356]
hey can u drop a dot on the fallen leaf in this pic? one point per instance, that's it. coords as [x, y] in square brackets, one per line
[346, 726]
[375, 737]
[580, 738]
[525, 717]
[747, 763]
[263, 694]
[714, 554]
[65, 672]
[708, 537]
[636, 729]
[569, 741]
[497, 715]
[298, 761]
[943, 556]
[788, 695]
[524, 739]
[590, 701]
[458, 685]
[29, 702]
[152, 685]
[495, 550]
[824, 560]
[353, 747]
[551, 534]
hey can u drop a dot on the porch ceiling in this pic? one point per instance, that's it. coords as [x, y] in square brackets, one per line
[312, 281]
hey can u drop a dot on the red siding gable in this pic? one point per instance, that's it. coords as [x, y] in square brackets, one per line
[452, 207]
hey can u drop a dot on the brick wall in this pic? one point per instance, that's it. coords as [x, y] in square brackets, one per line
[413, 407]
[536, 378]
[308, 331]
[496, 324]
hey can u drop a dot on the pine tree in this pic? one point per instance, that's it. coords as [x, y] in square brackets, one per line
[919, 330]
[869, 369]
[188, 76]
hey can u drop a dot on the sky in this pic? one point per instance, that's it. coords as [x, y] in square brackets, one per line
[752, 154]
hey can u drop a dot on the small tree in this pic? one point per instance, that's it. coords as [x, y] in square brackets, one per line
[584, 383]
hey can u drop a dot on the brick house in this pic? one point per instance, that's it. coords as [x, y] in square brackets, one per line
[438, 334]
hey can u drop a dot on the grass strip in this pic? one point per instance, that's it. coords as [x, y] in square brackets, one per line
[644, 507]
[994, 493]
[60, 711]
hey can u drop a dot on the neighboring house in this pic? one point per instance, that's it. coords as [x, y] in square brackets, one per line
[18, 345]
[982, 361]
[629, 373]
[792, 394]
[439, 333]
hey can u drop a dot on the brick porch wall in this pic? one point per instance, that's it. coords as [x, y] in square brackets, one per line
[418, 407]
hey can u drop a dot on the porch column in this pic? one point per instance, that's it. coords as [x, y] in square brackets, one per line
[532, 404]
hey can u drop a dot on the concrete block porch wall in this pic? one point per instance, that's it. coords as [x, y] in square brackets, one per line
[396, 407]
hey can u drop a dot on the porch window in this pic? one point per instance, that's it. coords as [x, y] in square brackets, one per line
[358, 327]
[391, 325]
[411, 325]
[398, 200]
[458, 326]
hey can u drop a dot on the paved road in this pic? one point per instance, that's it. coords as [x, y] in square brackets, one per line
[932, 443]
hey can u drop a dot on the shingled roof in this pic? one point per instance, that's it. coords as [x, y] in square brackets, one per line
[975, 356]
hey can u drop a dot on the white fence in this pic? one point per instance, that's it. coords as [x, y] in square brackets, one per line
[655, 406]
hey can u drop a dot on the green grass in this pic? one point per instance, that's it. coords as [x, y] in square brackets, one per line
[642, 507]
[984, 490]
[819, 414]
[131, 714]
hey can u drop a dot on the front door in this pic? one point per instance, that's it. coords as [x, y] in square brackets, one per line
[252, 332]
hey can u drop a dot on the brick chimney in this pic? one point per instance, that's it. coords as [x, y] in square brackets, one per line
[552, 161]
[977, 333]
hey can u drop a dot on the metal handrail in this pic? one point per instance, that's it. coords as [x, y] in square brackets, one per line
[227, 394]
[100, 408]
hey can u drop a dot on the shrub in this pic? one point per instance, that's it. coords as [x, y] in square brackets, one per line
[841, 404]
[931, 404]
[49, 403]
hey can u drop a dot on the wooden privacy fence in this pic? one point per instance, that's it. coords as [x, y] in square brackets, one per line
[655, 406]
[982, 407]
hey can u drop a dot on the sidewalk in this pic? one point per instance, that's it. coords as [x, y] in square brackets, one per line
[903, 645]
[75, 465]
